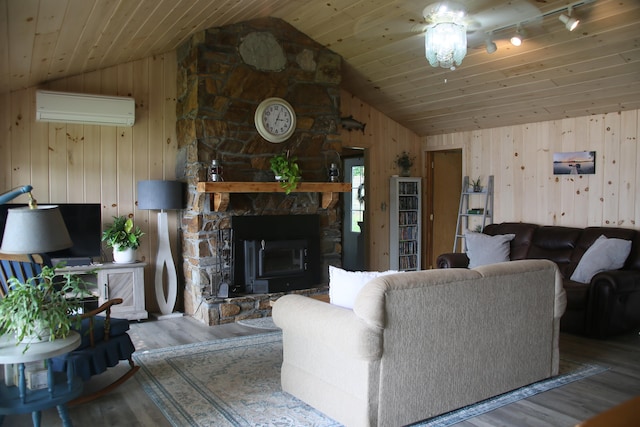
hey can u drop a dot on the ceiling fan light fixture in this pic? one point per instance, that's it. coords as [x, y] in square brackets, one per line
[569, 22]
[446, 36]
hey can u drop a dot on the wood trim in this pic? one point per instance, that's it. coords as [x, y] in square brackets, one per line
[220, 191]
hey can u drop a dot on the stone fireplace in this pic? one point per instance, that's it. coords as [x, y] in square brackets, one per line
[223, 74]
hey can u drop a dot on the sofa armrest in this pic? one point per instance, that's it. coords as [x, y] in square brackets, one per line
[453, 260]
[614, 302]
[617, 281]
[336, 327]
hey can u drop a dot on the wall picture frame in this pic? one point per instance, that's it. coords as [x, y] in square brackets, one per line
[574, 163]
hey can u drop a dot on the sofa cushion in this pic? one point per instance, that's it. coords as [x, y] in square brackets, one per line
[605, 254]
[590, 234]
[483, 249]
[345, 285]
[521, 243]
[557, 244]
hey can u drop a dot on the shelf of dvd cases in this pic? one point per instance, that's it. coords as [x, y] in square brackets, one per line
[405, 228]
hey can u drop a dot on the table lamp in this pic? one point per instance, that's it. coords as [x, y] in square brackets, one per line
[163, 195]
[34, 229]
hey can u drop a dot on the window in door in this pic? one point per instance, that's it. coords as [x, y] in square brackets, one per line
[353, 241]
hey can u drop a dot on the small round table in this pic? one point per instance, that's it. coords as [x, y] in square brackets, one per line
[61, 388]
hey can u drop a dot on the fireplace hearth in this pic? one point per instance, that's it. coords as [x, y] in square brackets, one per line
[275, 253]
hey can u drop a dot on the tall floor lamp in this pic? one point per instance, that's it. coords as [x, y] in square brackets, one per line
[163, 195]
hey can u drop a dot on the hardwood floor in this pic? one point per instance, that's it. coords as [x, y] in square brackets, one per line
[563, 406]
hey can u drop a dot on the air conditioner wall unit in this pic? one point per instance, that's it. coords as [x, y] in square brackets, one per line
[82, 108]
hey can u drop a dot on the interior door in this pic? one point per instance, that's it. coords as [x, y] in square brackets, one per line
[446, 183]
[353, 227]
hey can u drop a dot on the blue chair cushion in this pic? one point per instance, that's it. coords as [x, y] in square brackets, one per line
[118, 327]
[89, 361]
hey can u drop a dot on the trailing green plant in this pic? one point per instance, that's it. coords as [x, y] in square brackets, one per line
[286, 167]
[42, 308]
[121, 234]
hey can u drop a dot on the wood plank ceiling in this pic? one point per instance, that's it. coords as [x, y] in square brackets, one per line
[554, 74]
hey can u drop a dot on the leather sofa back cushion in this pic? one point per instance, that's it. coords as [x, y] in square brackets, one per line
[520, 244]
[557, 244]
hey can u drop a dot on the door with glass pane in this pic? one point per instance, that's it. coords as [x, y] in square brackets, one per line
[353, 241]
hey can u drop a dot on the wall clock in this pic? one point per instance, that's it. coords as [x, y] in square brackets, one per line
[275, 119]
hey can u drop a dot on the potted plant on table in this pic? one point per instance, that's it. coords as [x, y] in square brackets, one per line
[41, 308]
[286, 171]
[124, 238]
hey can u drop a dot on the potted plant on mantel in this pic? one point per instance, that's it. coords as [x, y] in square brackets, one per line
[124, 238]
[42, 309]
[286, 171]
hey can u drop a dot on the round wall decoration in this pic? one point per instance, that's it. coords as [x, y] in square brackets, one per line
[275, 119]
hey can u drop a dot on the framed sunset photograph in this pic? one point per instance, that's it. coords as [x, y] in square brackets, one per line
[574, 163]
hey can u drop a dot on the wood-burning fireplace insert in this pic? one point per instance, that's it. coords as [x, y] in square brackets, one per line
[275, 253]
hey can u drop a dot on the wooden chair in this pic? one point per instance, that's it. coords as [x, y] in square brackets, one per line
[105, 341]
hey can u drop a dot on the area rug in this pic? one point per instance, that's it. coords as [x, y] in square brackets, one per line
[236, 382]
[259, 323]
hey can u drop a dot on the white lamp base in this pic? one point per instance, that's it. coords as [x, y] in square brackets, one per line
[160, 316]
[166, 303]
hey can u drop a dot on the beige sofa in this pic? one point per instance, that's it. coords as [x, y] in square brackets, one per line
[420, 344]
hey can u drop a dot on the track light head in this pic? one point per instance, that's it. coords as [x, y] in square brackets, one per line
[517, 38]
[569, 22]
[490, 45]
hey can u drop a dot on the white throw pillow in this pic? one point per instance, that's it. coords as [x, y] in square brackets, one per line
[483, 249]
[605, 254]
[344, 285]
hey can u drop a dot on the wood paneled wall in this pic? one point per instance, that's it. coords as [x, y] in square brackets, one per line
[521, 159]
[382, 141]
[67, 163]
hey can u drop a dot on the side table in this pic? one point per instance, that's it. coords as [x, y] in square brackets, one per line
[61, 387]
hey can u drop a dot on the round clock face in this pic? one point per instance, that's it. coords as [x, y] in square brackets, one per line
[275, 119]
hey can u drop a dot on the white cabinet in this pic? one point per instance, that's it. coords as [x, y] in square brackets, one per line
[112, 280]
[124, 281]
[405, 225]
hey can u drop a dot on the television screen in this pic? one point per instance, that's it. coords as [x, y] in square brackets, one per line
[84, 222]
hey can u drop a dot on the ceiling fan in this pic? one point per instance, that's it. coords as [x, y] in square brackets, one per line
[482, 17]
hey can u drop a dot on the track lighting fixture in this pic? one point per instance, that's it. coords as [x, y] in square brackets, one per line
[490, 45]
[569, 22]
[517, 38]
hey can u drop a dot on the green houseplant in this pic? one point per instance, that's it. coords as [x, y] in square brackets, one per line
[477, 186]
[42, 308]
[286, 170]
[404, 161]
[123, 237]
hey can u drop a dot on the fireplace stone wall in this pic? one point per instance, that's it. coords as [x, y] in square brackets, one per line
[223, 74]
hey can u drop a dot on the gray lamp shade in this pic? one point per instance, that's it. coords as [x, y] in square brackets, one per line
[158, 194]
[33, 231]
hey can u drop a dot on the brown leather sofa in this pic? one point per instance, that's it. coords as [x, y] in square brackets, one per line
[608, 305]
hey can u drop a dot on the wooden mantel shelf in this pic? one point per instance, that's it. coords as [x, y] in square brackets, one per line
[221, 190]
